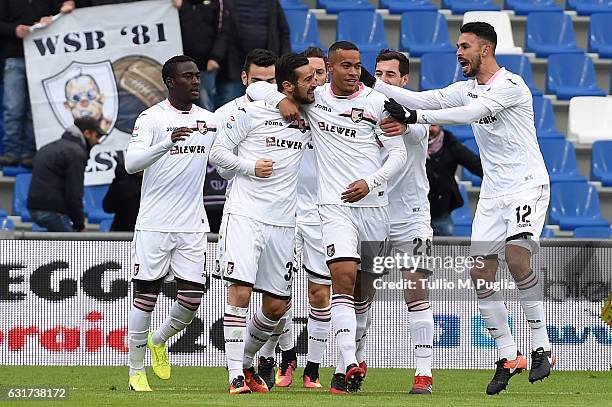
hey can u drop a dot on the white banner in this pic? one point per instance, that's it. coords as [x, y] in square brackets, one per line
[103, 62]
[66, 303]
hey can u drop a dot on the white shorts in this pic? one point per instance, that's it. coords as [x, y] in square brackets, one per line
[345, 228]
[259, 255]
[167, 255]
[309, 243]
[512, 219]
[220, 246]
[413, 237]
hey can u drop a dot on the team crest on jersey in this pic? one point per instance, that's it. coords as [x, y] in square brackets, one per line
[270, 141]
[356, 115]
[201, 126]
[136, 269]
[230, 268]
[331, 250]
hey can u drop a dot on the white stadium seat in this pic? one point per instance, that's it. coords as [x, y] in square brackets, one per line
[501, 22]
[590, 119]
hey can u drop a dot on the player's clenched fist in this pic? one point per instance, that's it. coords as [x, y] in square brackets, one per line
[180, 134]
[263, 168]
[355, 191]
[289, 110]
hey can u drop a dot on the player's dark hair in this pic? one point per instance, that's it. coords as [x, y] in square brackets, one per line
[390, 55]
[259, 57]
[169, 68]
[314, 52]
[481, 30]
[341, 45]
[285, 68]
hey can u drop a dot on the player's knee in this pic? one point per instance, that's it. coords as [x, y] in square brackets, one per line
[318, 295]
[518, 259]
[274, 308]
[239, 295]
[145, 294]
[189, 294]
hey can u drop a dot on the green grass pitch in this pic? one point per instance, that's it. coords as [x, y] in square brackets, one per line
[191, 386]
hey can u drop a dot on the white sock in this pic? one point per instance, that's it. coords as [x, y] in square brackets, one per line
[530, 293]
[363, 315]
[421, 332]
[318, 333]
[344, 326]
[259, 330]
[178, 319]
[234, 331]
[269, 348]
[138, 331]
[285, 339]
[495, 316]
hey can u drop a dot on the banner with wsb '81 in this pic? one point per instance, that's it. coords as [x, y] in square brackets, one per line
[103, 62]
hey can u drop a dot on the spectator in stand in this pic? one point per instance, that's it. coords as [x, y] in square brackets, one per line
[445, 152]
[254, 24]
[55, 199]
[123, 198]
[205, 34]
[16, 19]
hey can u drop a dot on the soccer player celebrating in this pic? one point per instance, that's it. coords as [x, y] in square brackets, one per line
[410, 223]
[514, 195]
[352, 199]
[170, 142]
[260, 228]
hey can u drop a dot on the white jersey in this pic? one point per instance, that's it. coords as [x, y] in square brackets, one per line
[259, 131]
[346, 143]
[172, 187]
[409, 188]
[509, 150]
[307, 212]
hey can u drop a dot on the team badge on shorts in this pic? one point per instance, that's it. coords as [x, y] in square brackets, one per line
[201, 125]
[356, 115]
[331, 250]
[230, 268]
[136, 269]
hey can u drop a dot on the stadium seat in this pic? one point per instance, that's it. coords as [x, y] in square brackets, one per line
[368, 59]
[550, 32]
[401, 6]
[547, 232]
[601, 162]
[544, 118]
[424, 32]
[588, 7]
[462, 216]
[590, 119]
[560, 159]
[501, 22]
[520, 65]
[13, 171]
[365, 28]
[593, 232]
[6, 224]
[292, 5]
[466, 175]
[575, 204]
[336, 6]
[570, 75]
[439, 70]
[304, 29]
[524, 7]
[462, 133]
[20, 196]
[3, 213]
[93, 197]
[600, 34]
[105, 225]
[463, 6]
[462, 230]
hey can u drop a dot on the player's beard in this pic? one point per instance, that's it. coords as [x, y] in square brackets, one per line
[301, 99]
[474, 67]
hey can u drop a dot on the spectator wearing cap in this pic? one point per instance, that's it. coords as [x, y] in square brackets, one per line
[55, 199]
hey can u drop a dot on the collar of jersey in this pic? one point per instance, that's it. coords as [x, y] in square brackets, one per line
[495, 75]
[168, 104]
[360, 88]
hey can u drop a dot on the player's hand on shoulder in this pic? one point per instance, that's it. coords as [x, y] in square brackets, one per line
[356, 190]
[399, 112]
[263, 167]
[180, 134]
[392, 127]
[289, 110]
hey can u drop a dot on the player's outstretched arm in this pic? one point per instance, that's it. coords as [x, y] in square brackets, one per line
[265, 91]
[395, 162]
[453, 116]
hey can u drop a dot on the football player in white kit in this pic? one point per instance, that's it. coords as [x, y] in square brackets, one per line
[170, 142]
[347, 124]
[514, 196]
[260, 231]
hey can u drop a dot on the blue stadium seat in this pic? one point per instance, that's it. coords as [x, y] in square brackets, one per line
[304, 29]
[439, 70]
[93, 197]
[575, 204]
[462, 133]
[105, 225]
[462, 216]
[368, 59]
[13, 171]
[365, 28]
[547, 232]
[6, 224]
[524, 7]
[20, 196]
[463, 6]
[544, 118]
[550, 32]
[601, 162]
[570, 75]
[593, 232]
[462, 230]
[292, 5]
[560, 159]
[401, 6]
[424, 32]
[520, 65]
[3, 213]
[466, 175]
[588, 7]
[336, 6]
[600, 34]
